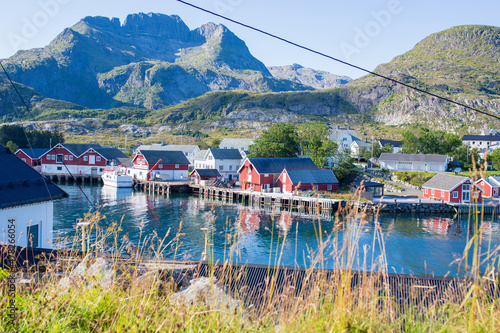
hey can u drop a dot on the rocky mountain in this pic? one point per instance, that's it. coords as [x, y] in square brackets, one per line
[151, 61]
[309, 77]
[461, 63]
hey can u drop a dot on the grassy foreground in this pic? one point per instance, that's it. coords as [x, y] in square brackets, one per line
[134, 304]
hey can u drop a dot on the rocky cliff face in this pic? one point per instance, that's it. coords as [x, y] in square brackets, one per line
[309, 77]
[151, 60]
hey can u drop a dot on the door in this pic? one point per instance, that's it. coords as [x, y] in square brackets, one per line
[93, 171]
[91, 159]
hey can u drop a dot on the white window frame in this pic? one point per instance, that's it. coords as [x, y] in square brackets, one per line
[65, 157]
[71, 157]
[177, 166]
[432, 192]
[329, 187]
[455, 194]
[98, 158]
[86, 158]
[59, 160]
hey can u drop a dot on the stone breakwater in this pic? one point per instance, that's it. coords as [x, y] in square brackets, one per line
[404, 207]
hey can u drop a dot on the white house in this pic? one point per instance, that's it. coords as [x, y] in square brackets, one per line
[345, 141]
[226, 161]
[413, 162]
[481, 141]
[26, 203]
[189, 151]
[397, 146]
[355, 147]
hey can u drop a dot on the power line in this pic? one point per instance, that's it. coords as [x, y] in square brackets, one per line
[338, 60]
[26, 135]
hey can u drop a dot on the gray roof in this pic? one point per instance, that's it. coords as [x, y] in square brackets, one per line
[493, 180]
[312, 176]
[361, 143]
[33, 152]
[110, 153]
[236, 143]
[443, 181]
[225, 154]
[429, 158]
[207, 172]
[200, 155]
[159, 146]
[395, 144]
[80, 148]
[481, 138]
[126, 161]
[167, 157]
[336, 132]
[277, 164]
[20, 184]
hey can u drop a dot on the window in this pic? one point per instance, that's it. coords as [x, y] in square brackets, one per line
[455, 194]
[266, 175]
[101, 169]
[24, 160]
[160, 166]
[230, 167]
[328, 187]
[59, 168]
[59, 158]
[186, 154]
[98, 158]
[65, 157]
[466, 187]
[432, 192]
[482, 183]
[210, 157]
[426, 191]
[128, 172]
[53, 157]
[48, 157]
[32, 233]
[315, 187]
[85, 158]
[475, 195]
[177, 166]
[221, 167]
[71, 157]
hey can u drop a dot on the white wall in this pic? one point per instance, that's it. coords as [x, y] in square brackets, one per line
[74, 169]
[40, 213]
[167, 175]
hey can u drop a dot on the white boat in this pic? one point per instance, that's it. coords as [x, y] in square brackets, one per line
[115, 178]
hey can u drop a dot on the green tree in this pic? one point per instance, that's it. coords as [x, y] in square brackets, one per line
[494, 157]
[366, 153]
[314, 142]
[280, 140]
[37, 139]
[343, 166]
[463, 157]
[12, 146]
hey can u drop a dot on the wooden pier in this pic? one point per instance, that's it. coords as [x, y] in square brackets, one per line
[77, 178]
[158, 187]
[269, 200]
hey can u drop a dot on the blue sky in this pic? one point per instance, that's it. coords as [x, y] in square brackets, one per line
[364, 32]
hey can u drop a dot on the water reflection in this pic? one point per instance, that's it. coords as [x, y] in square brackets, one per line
[412, 243]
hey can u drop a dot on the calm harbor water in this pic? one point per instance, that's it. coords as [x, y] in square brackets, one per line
[413, 244]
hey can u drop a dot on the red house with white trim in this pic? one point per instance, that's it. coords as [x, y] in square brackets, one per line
[79, 159]
[309, 179]
[451, 188]
[260, 173]
[31, 156]
[160, 164]
[490, 186]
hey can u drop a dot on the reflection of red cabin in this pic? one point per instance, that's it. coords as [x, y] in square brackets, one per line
[490, 186]
[451, 188]
[312, 179]
[200, 175]
[31, 156]
[260, 173]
